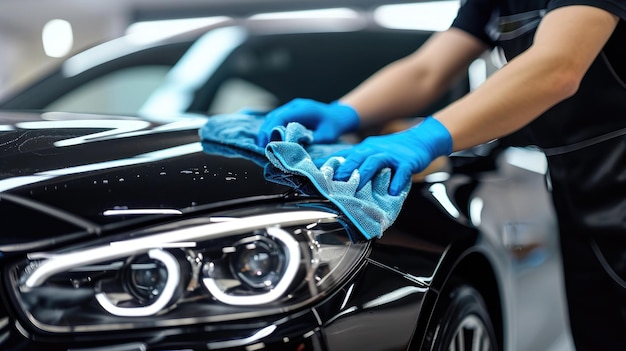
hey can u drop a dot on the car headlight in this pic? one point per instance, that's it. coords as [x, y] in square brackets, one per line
[194, 271]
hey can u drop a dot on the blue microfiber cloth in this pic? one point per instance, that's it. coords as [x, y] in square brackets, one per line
[292, 150]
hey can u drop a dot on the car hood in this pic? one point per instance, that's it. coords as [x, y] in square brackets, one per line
[60, 171]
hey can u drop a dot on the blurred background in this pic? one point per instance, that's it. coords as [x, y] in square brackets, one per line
[70, 26]
[36, 35]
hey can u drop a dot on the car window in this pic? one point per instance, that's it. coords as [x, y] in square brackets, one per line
[120, 92]
[235, 94]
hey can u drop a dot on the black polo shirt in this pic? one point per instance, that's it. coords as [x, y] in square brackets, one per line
[509, 26]
[584, 136]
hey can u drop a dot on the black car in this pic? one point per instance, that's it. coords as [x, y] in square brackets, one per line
[123, 233]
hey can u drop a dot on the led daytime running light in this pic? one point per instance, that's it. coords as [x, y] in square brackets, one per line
[293, 261]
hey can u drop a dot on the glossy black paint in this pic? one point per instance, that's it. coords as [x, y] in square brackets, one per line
[69, 208]
[57, 195]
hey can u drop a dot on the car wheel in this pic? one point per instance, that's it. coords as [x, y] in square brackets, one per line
[463, 323]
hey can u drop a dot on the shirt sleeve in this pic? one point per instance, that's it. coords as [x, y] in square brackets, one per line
[475, 17]
[616, 7]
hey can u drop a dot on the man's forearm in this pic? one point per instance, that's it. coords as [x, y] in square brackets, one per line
[507, 101]
[411, 84]
[395, 92]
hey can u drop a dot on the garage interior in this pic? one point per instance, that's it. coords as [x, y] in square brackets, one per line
[22, 24]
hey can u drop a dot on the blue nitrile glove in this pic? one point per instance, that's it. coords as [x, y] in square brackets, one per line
[327, 121]
[406, 153]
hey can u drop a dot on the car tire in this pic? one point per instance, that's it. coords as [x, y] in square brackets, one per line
[461, 323]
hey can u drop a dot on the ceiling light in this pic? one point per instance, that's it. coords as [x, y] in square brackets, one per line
[152, 31]
[428, 16]
[337, 13]
[57, 37]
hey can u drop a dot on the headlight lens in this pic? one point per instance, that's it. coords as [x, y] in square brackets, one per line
[259, 262]
[200, 270]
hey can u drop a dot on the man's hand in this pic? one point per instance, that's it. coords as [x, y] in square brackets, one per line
[406, 153]
[327, 121]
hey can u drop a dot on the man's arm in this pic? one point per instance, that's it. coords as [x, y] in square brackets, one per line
[414, 82]
[398, 90]
[566, 43]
